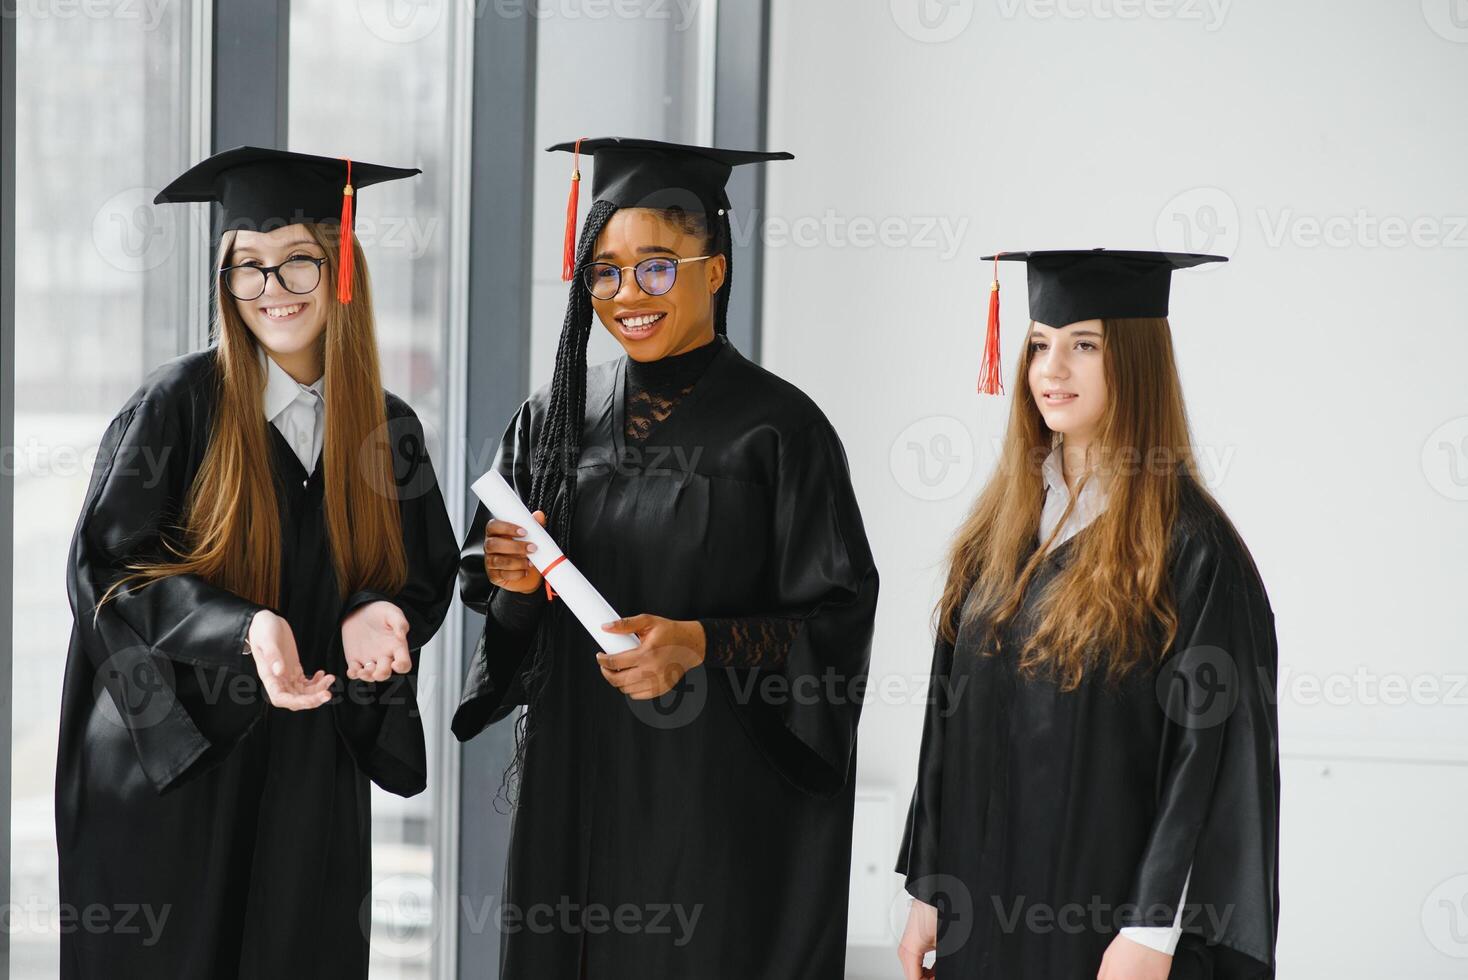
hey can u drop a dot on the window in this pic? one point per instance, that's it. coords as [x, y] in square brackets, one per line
[102, 294]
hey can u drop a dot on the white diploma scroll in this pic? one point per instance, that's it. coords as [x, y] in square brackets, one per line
[579, 595]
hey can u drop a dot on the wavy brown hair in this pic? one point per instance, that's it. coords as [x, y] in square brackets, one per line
[230, 528]
[1114, 595]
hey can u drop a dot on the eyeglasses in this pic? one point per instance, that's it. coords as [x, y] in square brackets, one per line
[299, 274]
[655, 275]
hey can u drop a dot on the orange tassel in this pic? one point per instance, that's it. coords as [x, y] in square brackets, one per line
[345, 257]
[989, 383]
[568, 248]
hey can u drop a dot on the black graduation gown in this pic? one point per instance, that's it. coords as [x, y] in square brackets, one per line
[1042, 822]
[717, 819]
[241, 830]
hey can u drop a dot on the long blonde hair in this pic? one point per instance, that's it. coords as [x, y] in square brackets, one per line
[230, 533]
[1114, 595]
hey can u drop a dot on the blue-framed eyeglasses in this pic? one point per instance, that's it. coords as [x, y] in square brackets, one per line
[655, 275]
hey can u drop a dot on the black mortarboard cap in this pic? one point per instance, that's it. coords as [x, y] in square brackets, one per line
[262, 189]
[638, 173]
[1070, 285]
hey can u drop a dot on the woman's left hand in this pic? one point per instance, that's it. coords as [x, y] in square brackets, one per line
[1126, 959]
[375, 642]
[669, 648]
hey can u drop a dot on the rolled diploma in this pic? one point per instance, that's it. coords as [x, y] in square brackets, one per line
[579, 595]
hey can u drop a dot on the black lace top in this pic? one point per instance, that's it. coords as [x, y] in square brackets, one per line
[651, 396]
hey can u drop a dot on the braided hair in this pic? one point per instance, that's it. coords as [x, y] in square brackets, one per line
[557, 448]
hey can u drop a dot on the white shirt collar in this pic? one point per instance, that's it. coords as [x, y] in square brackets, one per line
[281, 389]
[1090, 503]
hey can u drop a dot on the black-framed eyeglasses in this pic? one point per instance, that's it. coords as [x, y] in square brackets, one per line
[655, 275]
[298, 274]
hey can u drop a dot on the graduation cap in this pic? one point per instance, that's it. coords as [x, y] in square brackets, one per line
[261, 189]
[1070, 285]
[638, 173]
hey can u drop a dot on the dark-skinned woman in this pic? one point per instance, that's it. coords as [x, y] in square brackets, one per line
[683, 809]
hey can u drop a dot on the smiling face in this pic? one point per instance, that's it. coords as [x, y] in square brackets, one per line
[653, 327]
[286, 323]
[1067, 377]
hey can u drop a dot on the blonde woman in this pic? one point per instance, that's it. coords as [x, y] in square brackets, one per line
[262, 551]
[1098, 789]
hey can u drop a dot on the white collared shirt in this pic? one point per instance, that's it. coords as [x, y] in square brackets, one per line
[298, 411]
[1090, 503]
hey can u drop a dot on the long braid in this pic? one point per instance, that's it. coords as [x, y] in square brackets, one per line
[722, 239]
[556, 453]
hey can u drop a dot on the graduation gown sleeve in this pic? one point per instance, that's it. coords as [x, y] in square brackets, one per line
[1218, 771]
[380, 722]
[492, 688]
[159, 649]
[825, 581]
[918, 857]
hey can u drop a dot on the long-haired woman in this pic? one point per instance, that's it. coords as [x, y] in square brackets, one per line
[684, 808]
[1098, 786]
[261, 553]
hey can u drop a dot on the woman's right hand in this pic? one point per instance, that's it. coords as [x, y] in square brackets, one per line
[505, 551]
[273, 648]
[920, 936]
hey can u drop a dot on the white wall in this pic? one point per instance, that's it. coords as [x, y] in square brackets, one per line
[1325, 374]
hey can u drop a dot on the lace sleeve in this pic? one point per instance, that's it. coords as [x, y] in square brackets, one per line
[748, 641]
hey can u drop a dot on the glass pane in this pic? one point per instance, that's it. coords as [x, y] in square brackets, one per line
[369, 85]
[665, 98]
[100, 296]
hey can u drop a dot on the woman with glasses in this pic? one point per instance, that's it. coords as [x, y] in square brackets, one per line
[261, 553]
[683, 809]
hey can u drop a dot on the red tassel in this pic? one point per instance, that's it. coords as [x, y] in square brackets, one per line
[989, 383]
[568, 248]
[345, 256]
